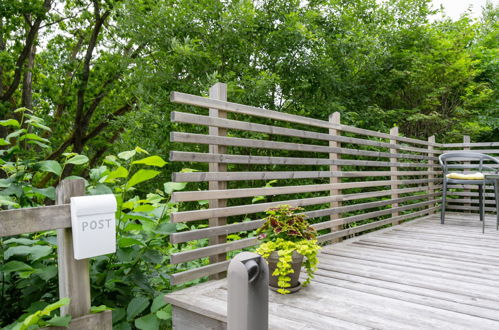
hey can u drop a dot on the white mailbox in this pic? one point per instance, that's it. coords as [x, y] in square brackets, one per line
[94, 225]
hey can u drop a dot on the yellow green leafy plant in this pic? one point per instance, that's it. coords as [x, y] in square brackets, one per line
[285, 231]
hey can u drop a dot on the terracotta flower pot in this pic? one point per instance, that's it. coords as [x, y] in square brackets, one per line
[297, 260]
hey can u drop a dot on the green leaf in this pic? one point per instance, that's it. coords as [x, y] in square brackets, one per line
[47, 192]
[157, 303]
[136, 306]
[3, 142]
[10, 122]
[59, 321]
[126, 155]
[144, 208]
[31, 136]
[166, 228]
[152, 256]
[173, 186]
[148, 322]
[4, 183]
[99, 309]
[141, 176]
[50, 166]
[118, 314]
[20, 240]
[8, 201]
[35, 252]
[15, 266]
[15, 134]
[151, 161]
[125, 242]
[77, 160]
[163, 315]
[140, 150]
[40, 126]
[100, 189]
[120, 172]
[122, 326]
[58, 304]
[46, 273]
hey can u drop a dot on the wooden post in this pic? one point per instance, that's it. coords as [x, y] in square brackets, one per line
[395, 132]
[467, 139]
[431, 185]
[218, 92]
[74, 278]
[335, 118]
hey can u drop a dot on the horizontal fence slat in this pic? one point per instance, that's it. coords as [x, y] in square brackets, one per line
[252, 225]
[469, 208]
[183, 117]
[472, 201]
[267, 160]
[188, 216]
[263, 144]
[192, 274]
[177, 258]
[207, 251]
[470, 145]
[241, 176]
[199, 101]
[29, 220]
[187, 196]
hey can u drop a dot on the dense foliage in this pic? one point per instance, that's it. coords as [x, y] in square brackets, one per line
[83, 80]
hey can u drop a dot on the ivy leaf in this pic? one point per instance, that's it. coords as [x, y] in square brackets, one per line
[10, 122]
[136, 306]
[148, 322]
[50, 166]
[173, 186]
[77, 160]
[141, 176]
[151, 161]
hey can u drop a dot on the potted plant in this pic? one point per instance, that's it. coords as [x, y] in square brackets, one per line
[287, 238]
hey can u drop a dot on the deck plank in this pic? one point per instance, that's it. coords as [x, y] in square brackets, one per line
[419, 275]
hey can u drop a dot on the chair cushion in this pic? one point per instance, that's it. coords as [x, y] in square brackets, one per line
[461, 176]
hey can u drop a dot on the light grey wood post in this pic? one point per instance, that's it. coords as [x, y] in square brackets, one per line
[431, 185]
[335, 118]
[74, 278]
[393, 169]
[218, 92]
[467, 139]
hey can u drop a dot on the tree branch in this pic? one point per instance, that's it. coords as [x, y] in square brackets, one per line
[30, 39]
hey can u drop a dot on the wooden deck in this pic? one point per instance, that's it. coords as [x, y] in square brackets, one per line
[419, 275]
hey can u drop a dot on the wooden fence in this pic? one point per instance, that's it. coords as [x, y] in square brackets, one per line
[464, 197]
[74, 280]
[348, 179]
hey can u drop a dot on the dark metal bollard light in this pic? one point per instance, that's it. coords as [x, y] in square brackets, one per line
[248, 300]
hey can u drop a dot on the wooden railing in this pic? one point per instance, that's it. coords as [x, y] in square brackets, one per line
[348, 179]
[465, 197]
[74, 278]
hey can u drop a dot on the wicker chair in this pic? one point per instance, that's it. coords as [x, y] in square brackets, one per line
[463, 156]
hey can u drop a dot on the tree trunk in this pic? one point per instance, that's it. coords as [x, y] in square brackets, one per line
[27, 95]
